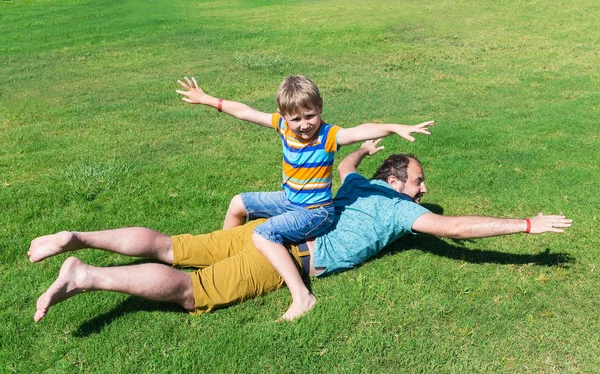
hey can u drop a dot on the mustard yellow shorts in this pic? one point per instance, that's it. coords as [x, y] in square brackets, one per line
[231, 269]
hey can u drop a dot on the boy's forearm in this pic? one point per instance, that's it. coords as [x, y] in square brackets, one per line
[366, 131]
[239, 110]
[193, 94]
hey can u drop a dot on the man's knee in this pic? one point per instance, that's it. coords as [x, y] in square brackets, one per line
[164, 245]
[188, 301]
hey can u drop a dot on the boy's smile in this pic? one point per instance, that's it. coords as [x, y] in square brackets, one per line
[304, 124]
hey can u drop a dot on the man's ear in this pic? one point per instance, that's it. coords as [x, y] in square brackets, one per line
[391, 179]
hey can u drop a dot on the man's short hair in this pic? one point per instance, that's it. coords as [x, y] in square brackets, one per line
[296, 93]
[397, 166]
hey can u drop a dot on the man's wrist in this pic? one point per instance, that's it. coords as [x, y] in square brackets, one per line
[363, 152]
[528, 227]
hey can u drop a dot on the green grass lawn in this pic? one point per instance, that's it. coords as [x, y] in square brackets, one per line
[93, 136]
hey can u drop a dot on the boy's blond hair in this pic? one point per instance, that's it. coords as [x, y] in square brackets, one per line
[296, 93]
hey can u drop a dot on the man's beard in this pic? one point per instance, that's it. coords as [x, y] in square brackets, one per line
[417, 198]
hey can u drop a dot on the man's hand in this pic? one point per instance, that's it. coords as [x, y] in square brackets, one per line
[405, 131]
[542, 223]
[370, 147]
[193, 94]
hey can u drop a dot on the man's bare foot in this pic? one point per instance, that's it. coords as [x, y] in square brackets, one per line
[299, 308]
[67, 284]
[50, 245]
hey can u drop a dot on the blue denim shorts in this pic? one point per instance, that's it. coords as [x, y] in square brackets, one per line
[288, 223]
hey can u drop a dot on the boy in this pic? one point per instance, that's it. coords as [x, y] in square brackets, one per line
[303, 209]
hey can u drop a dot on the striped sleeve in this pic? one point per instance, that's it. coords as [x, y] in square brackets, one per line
[275, 120]
[331, 141]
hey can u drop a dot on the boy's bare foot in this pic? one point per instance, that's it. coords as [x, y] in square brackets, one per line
[299, 308]
[50, 245]
[67, 284]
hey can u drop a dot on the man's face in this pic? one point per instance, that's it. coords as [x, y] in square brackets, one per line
[304, 124]
[415, 182]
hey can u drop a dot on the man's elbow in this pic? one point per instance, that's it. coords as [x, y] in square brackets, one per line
[344, 168]
[454, 230]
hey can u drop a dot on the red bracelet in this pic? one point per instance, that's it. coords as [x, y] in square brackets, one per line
[220, 105]
[528, 229]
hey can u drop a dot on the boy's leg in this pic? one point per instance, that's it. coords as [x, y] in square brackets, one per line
[279, 257]
[151, 281]
[294, 226]
[252, 205]
[236, 213]
[132, 241]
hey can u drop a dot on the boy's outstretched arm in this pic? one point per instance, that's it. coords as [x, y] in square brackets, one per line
[194, 95]
[368, 131]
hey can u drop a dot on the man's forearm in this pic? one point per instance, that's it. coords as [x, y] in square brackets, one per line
[351, 162]
[469, 227]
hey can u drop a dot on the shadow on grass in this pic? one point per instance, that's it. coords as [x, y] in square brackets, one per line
[439, 247]
[130, 305]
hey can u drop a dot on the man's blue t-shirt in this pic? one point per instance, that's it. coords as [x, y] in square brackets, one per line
[369, 215]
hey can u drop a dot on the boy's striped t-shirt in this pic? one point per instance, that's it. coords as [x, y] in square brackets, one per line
[307, 165]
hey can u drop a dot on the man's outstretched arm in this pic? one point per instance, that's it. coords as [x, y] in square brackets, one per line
[468, 227]
[351, 162]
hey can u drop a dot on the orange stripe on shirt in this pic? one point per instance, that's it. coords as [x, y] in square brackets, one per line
[331, 144]
[306, 174]
[275, 120]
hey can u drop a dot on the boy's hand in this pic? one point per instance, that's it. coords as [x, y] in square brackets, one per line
[193, 94]
[370, 147]
[405, 131]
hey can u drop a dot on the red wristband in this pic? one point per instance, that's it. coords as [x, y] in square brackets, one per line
[220, 105]
[528, 229]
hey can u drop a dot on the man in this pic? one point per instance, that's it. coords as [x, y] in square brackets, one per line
[368, 216]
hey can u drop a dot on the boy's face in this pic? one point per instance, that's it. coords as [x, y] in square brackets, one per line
[305, 123]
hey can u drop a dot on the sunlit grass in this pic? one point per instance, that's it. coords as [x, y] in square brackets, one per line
[93, 136]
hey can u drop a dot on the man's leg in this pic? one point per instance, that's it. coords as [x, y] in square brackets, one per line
[150, 281]
[243, 276]
[133, 241]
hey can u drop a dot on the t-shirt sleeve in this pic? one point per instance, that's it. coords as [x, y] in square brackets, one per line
[276, 121]
[331, 141]
[408, 212]
[351, 183]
